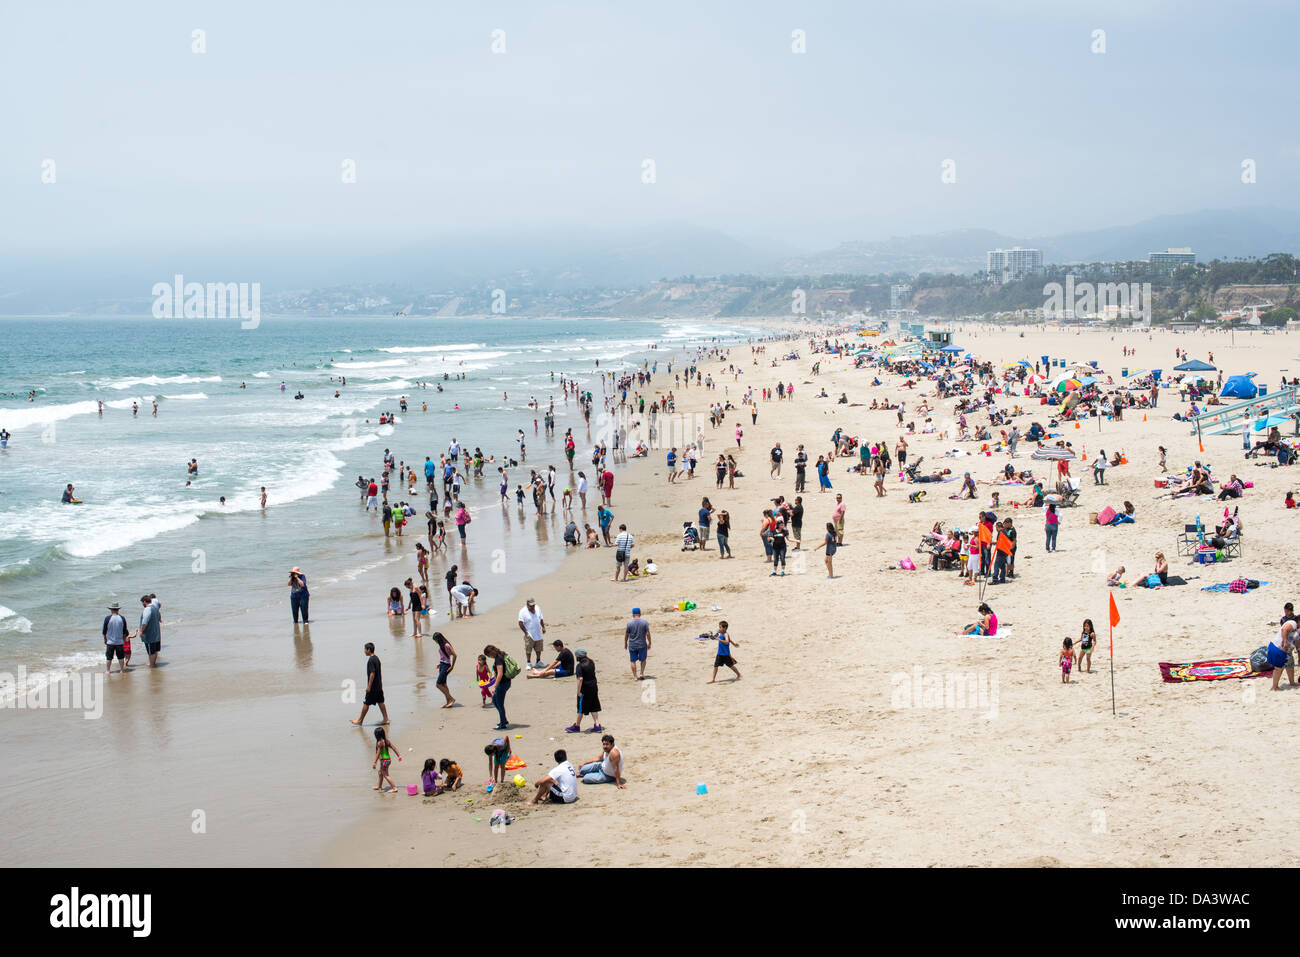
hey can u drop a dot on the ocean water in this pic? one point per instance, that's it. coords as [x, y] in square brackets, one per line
[141, 529]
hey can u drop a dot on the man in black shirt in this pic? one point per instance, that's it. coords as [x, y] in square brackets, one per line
[561, 667]
[800, 466]
[776, 461]
[374, 686]
[451, 583]
[796, 521]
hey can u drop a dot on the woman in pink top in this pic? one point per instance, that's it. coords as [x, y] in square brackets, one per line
[987, 624]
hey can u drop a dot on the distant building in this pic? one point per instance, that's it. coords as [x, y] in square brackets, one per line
[1005, 265]
[1172, 258]
[899, 294]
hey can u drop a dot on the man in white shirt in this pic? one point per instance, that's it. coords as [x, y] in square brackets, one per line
[560, 786]
[623, 552]
[606, 769]
[533, 626]
[1245, 430]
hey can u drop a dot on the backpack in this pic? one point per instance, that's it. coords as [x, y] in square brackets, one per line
[512, 668]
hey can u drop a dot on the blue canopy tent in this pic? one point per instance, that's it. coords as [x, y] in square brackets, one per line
[1194, 365]
[1240, 387]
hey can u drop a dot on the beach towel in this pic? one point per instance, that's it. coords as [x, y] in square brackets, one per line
[1214, 670]
[1223, 587]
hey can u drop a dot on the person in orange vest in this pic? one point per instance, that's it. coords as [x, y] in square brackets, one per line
[986, 541]
[1003, 552]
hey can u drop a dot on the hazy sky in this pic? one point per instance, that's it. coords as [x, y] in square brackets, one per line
[155, 145]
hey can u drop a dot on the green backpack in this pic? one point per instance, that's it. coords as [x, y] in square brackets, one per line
[512, 668]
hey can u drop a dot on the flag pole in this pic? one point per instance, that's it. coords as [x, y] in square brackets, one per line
[1112, 670]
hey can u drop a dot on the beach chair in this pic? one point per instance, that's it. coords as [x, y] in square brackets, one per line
[1192, 538]
[1232, 546]
[1067, 496]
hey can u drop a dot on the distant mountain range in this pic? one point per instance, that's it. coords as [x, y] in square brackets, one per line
[1212, 234]
[615, 263]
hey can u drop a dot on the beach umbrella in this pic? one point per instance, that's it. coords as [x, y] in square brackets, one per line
[1022, 362]
[1088, 380]
[1194, 365]
[1271, 422]
[1052, 454]
[1011, 365]
[952, 349]
[1067, 385]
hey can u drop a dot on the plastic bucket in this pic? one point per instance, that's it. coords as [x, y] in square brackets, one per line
[412, 790]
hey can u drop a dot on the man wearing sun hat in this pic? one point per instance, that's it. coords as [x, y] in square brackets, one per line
[636, 640]
[116, 634]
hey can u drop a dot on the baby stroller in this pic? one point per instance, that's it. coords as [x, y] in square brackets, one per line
[690, 537]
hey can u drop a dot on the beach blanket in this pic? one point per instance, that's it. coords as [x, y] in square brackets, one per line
[1223, 587]
[1214, 670]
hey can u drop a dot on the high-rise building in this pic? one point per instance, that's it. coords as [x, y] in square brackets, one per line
[1005, 265]
[899, 294]
[1172, 258]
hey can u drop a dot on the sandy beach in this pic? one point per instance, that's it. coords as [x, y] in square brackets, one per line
[829, 751]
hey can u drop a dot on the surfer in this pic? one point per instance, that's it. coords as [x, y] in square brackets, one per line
[68, 497]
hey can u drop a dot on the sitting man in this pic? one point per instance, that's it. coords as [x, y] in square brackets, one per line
[560, 786]
[571, 533]
[561, 667]
[606, 769]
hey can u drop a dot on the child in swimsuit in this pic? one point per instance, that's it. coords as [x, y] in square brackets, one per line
[1066, 660]
[485, 689]
[384, 749]
[1087, 641]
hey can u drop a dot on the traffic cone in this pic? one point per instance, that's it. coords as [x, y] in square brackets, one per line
[1144, 416]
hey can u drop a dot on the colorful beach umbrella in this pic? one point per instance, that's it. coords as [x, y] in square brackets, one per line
[1067, 385]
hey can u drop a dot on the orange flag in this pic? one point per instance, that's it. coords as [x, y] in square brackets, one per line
[1114, 620]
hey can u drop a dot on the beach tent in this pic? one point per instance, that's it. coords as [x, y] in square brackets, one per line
[1240, 387]
[1194, 365]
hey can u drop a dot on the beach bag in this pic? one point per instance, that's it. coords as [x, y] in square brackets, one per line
[907, 564]
[1237, 586]
[512, 668]
[1153, 581]
[1276, 656]
[1106, 516]
[1259, 660]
